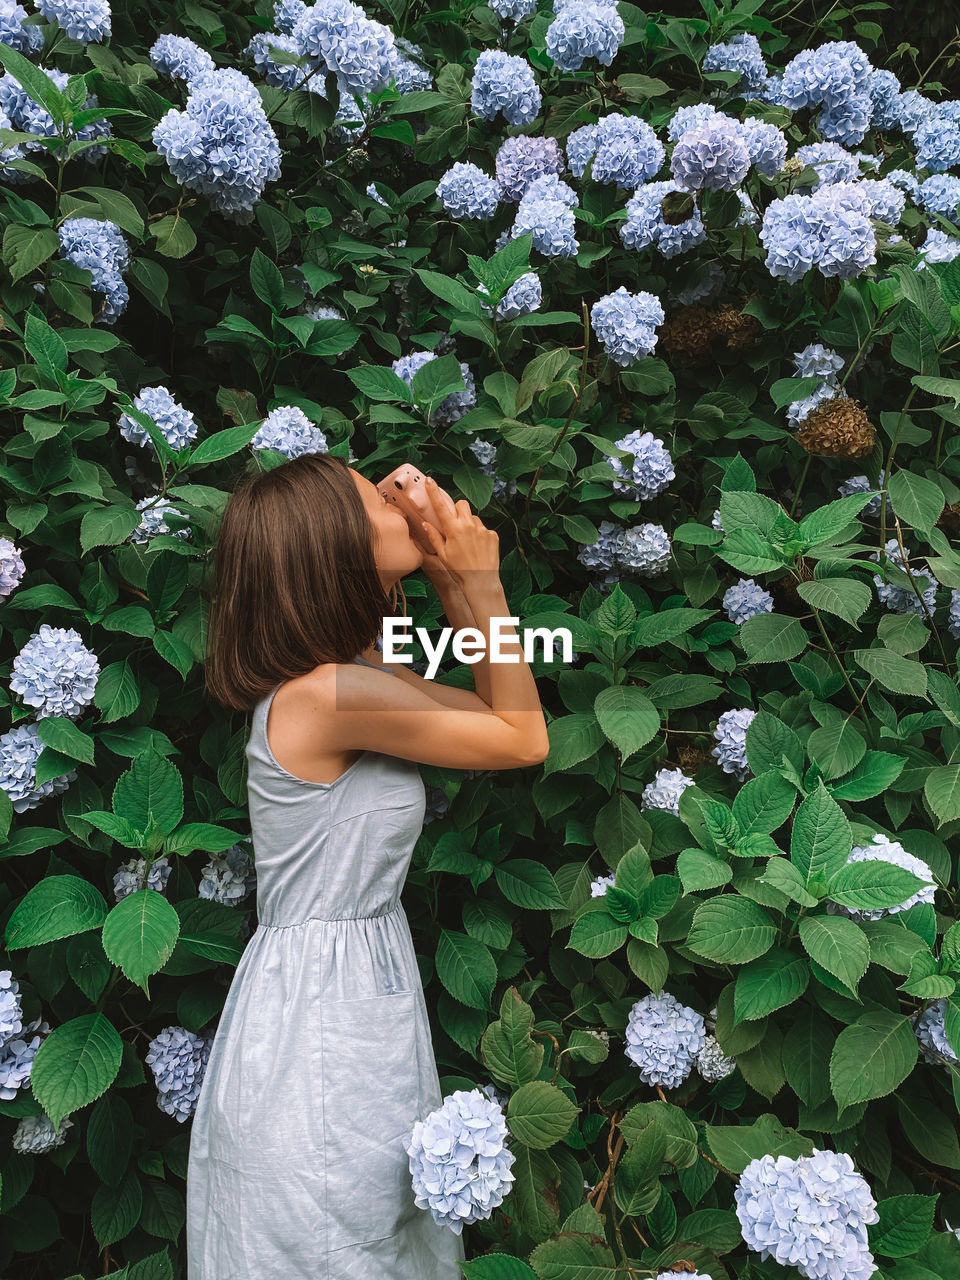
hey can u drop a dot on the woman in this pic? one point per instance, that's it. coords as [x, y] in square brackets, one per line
[323, 1057]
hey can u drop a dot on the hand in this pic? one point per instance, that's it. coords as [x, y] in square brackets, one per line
[462, 544]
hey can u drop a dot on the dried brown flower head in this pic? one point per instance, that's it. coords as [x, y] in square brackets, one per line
[838, 428]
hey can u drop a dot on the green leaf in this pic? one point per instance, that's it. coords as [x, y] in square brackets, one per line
[436, 380]
[266, 281]
[107, 526]
[848, 598]
[905, 1224]
[117, 693]
[627, 717]
[378, 383]
[140, 933]
[528, 884]
[175, 236]
[38, 86]
[769, 742]
[825, 523]
[949, 388]
[736, 1145]
[654, 629]
[497, 1266]
[597, 934]
[731, 930]
[895, 673]
[222, 445]
[877, 771]
[942, 791]
[75, 1064]
[916, 501]
[873, 884]
[451, 291]
[57, 906]
[872, 1057]
[508, 1049]
[838, 945]
[572, 739]
[770, 637]
[151, 790]
[772, 982]
[25, 248]
[466, 968]
[117, 828]
[763, 804]
[539, 1114]
[63, 735]
[821, 840]
[836, 748]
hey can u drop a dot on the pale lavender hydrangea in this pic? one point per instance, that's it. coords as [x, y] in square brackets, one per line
[286, 75]
[101, 248]
[817, 361]
[938, 247]
[742, 53]
[906, 181]
[358, 50]
[551, 223]
[521, 160]
[88, 21]
[11, 1014]
[746, 599]
[665, 790]
[645, 550]
[229, 877]
[14, 34]
[12, 567]
[604, 554]
[625, 324]
[222, 144]
[799, 410]
[811, 1213]
[883, 849]
[55, 672]
[860, 484]
[502, 82]
[884, 90]
[832, 162]
[716, 522]
[905, 599]
[712, 1063]
[832, 75]
[16, 1057]
[320, 311]
[456, 404]
[693, 117]
[886, 201]
[19, 749]
[134, 875]
[153, 510]
[912, 108]
[515, 10]
[176, 424]
[178, 1059]
[287, 13]
[650, 469]
[179, 58]
[828, 229]
[459, 1159]
[598, 886]
[731, 739]
[408, 70]
[713, 156]
[766, 145]
[496, 1095]
[582, 30]
[624, 150]
[645, 223]
[941, 194]
[522, 298]
[932, 1033]
[35, 1135]
[549, 187]
[937, 139]
[289, 431]
[465, 191]
[664, 1038]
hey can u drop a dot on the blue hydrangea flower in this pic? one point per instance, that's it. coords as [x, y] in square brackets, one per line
[665, 790]
[604, 554]
[504, 83]
[693, 117]
[905, 181]
[860, 484]
[624, 150]
[13, 33]
[522, 298]
[19, 749]
[102, 249]
[938, 247]
[11, 1014]
[16, 1058]
[35, 1135]
[222, 144]
[286, 75]
[584, 30]
[549, 187]
[941, 194]
[905, 599]
[552, 225]
[799, 410]
[465, 191]
[27, 116]
[827, 229]
[358, 50]
[134, 875]
[831, 75]
[832, 162]
[645, 224]
[178, 1059]
[731, 739]
[289, 431]
[884, 849]
[771, 91]
[179, 58]
[712, 1063]
[817, 361]
[663, 1039]
[745, 599]
[884, 90]
[521, 160]
[648, 472]
[12, 567]
[847, 124]
[713, 156]
[153, 522]
[88, 21]
[742, 53]
[319, 311]
[645, 550]
[459, 1159]
[886, 201]
[598, 886]
[581, 148]
[937, 140]
[716, 522]
[409, 73]
[229, 877]
[176, 424]
[55, 672]
[625, 324]
[287, 13]
[515, 10]
[811, 1213]
[931, 1031]
[456, 404]
[486, 454]
[953, 619]
[912, 108]
[766, 145]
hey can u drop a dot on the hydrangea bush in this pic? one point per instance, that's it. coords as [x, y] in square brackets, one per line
[674, 302]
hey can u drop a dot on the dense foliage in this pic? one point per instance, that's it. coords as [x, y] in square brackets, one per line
[675, 303]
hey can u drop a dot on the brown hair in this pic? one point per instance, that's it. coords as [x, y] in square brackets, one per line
[295, 581]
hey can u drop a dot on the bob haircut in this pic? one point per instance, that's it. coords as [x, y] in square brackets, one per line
[295, 581]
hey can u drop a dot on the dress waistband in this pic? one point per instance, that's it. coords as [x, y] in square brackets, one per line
[294, 924]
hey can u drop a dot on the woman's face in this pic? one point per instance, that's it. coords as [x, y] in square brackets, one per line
[395, 551]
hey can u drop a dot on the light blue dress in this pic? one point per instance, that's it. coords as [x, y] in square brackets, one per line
[323, 1057]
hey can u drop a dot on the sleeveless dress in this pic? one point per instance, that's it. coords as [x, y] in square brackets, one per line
[322, 1058]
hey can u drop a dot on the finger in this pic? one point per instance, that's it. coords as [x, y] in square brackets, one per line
[441, 501]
